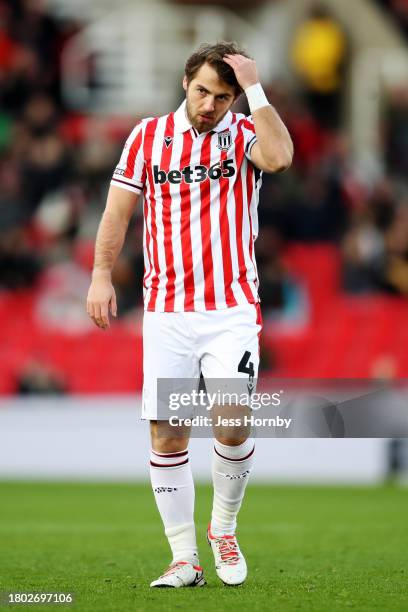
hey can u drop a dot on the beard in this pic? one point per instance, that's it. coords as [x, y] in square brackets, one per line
[200, 124]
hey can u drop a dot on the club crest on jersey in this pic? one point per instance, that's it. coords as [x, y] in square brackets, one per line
[167, 141]
[224, 140]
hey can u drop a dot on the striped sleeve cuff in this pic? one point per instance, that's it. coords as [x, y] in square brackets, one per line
[126, 184]
[249, 145]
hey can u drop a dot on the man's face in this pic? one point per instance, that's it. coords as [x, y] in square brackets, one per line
[208, 98]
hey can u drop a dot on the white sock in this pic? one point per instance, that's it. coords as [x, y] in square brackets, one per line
[231, 468]
[173, 487]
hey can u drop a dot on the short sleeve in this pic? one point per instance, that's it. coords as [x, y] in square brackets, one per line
[130, 172]
[248, 131]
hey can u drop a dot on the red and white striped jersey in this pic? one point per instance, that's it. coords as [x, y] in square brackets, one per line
[200, 198]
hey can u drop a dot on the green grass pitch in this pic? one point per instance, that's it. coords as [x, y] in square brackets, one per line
[308, 548]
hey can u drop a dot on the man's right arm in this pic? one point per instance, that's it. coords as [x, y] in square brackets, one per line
[112, 229]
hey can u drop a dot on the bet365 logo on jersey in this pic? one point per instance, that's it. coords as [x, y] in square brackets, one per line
[195, 174]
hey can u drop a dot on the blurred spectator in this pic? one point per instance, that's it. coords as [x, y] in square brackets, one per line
[45, 168]
[19, 266]
[8, 46]
[273, 277]
[400, 8]
[283, 299]
[11, 194]
[396, 133]
[60, 303]
[45, 162]
[40, 114]
[129, 270]
[36, 29]
[309, 138]
[399, 11]
[375, 247]
[318, 52]
[128, 278]
[21, 82]
[396, 257]
[57, 219]
[363, 248]
[39, 379]
[96, 157]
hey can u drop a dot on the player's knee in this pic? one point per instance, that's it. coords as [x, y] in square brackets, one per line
[164, 439]
[231, 438]
[230, 426]
[169, 445]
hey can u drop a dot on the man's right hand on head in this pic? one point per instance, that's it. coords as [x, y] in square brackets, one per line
[101, 299]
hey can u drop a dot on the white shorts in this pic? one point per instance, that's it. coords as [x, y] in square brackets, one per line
[181, 345]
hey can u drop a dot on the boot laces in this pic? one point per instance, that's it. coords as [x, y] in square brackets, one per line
[173, 568]
[229, 551]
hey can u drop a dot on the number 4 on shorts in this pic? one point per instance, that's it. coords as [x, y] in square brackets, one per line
[245, 367]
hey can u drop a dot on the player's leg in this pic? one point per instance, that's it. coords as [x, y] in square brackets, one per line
[167, 354]
[231, 469]
[232, 463]
[233, 353]
[173, 488]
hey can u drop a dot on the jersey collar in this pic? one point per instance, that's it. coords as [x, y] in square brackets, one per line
[182, 124]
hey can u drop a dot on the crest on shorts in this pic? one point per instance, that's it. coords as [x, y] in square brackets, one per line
[168, 141]
[224, 140]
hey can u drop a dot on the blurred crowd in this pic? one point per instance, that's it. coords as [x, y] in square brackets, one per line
[35, 161]
[55, 167]
[323, 197]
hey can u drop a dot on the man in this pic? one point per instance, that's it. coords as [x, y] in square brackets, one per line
[319, 56]
[199, 171]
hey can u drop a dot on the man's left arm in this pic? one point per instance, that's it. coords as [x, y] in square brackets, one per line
[273, 150]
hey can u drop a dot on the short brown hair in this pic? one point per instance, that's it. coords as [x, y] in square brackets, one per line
[213, 55]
